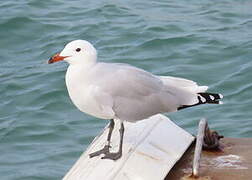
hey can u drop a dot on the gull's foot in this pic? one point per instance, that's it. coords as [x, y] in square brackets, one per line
[112, 156]
[104, 150]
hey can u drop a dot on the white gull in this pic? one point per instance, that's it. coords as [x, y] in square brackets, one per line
[122, 92]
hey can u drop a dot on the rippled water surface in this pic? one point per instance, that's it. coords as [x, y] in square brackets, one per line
[42, 134]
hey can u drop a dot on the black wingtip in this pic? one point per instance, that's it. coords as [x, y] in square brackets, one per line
[205, 98]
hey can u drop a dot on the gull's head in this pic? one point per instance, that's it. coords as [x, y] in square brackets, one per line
[76, 52]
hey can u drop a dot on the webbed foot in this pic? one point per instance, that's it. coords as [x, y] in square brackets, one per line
[112, 156]
[104, 150]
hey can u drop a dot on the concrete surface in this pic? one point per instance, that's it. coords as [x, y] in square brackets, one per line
[234, 162]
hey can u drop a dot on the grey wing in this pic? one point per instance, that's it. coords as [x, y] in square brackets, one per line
[136, 93]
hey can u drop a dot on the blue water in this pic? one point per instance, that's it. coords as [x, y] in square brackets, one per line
[41, 132]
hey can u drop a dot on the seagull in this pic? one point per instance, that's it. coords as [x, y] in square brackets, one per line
[121, 92]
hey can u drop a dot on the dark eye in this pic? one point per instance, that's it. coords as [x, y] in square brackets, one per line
[78, 49]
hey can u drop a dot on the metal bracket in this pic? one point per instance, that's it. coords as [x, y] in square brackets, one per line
[198, 147]
[206, 139]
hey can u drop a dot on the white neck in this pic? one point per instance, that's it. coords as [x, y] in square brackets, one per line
[78, 73]
[77, 82]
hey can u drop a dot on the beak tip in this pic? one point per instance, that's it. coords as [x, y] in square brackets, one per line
[49, 61]
[56, 58]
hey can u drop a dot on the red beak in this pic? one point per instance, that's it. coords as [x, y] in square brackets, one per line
[56, 58]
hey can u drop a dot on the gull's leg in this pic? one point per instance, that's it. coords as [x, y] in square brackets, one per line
[105, 149]
[117, 155]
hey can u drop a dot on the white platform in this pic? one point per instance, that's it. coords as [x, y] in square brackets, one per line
[151, 148]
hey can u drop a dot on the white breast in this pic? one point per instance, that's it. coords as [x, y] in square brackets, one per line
[80, 91]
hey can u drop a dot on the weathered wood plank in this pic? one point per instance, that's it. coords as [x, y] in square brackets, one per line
[151, 148]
